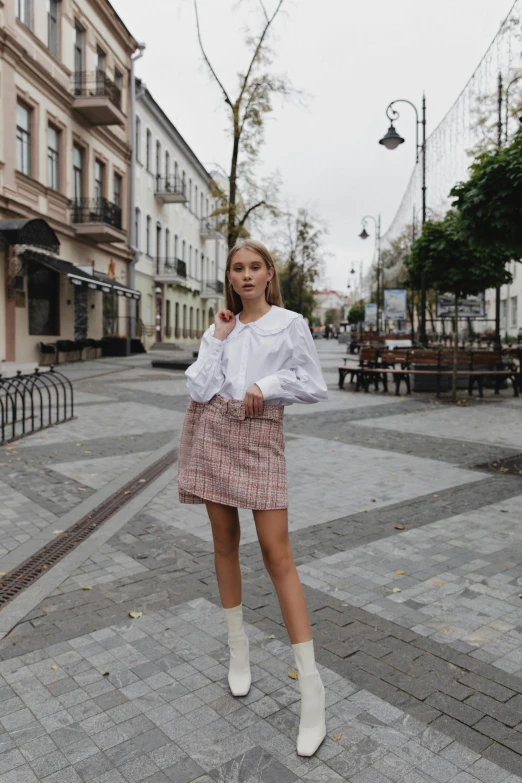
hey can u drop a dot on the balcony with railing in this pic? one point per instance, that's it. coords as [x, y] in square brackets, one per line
[97, 98]
[170, 190]
[97, 219]
[208, 228]
[211, 289]
[170, 270]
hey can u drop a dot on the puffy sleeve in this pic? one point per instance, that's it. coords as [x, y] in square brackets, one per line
[205, 376]
[303, 381]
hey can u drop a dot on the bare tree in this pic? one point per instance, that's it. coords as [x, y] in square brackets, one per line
[248, 197]
[302, 259]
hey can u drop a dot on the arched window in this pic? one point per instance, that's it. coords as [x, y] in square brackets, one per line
[196, 200]
[183, 250]
[137, 140]
[167, 243]
[175, 245]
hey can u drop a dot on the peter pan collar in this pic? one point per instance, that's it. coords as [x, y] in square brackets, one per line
[276, 320]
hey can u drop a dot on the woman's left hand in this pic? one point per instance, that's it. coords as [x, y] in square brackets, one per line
[254, 401]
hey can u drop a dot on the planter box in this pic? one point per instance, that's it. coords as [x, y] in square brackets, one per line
[116, 346]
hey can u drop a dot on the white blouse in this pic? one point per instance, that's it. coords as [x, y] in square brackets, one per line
[277, 352]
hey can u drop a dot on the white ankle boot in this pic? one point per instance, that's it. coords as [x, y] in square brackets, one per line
[312, 726]
[239, 676]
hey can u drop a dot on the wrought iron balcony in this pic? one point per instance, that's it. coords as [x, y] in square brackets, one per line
[170, 270]
[97, 98]
[211, 288]
[208, 228]
[170, 190]
[97, 219]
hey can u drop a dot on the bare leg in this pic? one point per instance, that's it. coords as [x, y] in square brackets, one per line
[226, 534]
[272, 531]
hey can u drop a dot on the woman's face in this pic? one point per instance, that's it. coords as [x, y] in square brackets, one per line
[249, 274]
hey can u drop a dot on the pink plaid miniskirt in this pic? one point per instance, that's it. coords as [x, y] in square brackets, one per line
[230, 458]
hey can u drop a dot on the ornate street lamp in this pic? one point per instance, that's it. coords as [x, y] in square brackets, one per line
[391, 140]
[365, 235]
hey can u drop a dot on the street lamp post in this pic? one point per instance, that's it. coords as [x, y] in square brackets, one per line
[391, 140]
[364, 235]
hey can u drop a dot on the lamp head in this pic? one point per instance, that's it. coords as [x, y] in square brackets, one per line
[392, 139]
[364, 235]
[352, 272]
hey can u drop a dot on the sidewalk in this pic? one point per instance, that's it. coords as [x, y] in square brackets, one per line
[418, 638]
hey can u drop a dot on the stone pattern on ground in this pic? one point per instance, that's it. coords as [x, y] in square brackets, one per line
[465, 710]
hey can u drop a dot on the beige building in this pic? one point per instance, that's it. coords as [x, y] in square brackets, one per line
[329, 300]
[181, 255]
[64, 173]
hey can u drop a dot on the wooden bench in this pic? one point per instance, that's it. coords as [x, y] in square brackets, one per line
[375, 365]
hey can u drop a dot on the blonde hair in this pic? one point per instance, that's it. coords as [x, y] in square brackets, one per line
[273, 290]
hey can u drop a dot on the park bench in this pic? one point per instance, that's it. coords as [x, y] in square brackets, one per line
[429, 365]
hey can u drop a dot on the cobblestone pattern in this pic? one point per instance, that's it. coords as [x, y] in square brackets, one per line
[107, 565]
[457, 581]
[150, 701]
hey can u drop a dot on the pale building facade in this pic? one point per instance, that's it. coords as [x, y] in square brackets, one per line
[181, 256]
[510, 304]
[64, 159]
[329, 300]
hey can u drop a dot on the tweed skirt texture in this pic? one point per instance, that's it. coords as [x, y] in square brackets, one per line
[230, 458]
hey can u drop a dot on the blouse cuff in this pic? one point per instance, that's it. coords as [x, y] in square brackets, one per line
[270, 386]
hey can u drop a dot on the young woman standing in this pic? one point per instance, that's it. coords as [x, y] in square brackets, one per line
[255, 359]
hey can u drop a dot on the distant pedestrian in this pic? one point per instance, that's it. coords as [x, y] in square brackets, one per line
[255, 359]
[327, 331]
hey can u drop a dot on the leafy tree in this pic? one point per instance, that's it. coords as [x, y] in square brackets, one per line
[302, 262]
[490, 202]
[247, 196]
[454, 265]
[332, 316]
[356, 314]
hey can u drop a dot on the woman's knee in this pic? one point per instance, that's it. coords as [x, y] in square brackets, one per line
[278, 560]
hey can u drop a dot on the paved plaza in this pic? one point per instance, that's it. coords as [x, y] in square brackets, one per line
[409, 547]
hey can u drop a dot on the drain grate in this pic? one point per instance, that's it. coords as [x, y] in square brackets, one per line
[32, 569]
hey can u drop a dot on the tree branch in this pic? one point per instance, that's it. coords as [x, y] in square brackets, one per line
[249, 212]
[258, 49]
[227, 99]
[264, 9]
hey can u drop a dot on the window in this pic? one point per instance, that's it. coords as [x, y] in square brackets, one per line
[99, 177]
[176, 172]
[137, 221]
[514, 311]
[118, 79]
[167, 243]
[137, 140]
[147, 239]
[149, 150]
[190, 260]
[167, 164]
[23, 139]
[190, 194]
[77, 172]
[43, 288]
[79, 56]
[158, 240]
[24, 10]
[53, 17]
[201, 214]
[183, 250]
[158, 156]
[183, 184]
[175, 245]
[53, 159]
[101, 61]
[196, 264]
[117, 189]
[207, 213]
[196, 200]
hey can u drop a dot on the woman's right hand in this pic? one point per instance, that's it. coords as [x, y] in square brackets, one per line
[224, 322]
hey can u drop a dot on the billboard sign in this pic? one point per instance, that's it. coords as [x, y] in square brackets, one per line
[370, 313]
[395, 305]
[469, 307]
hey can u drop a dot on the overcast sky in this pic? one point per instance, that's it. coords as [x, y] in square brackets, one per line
[352, 57]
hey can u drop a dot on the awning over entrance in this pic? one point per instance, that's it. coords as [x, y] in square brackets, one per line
[29, 232]
[96, 281]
